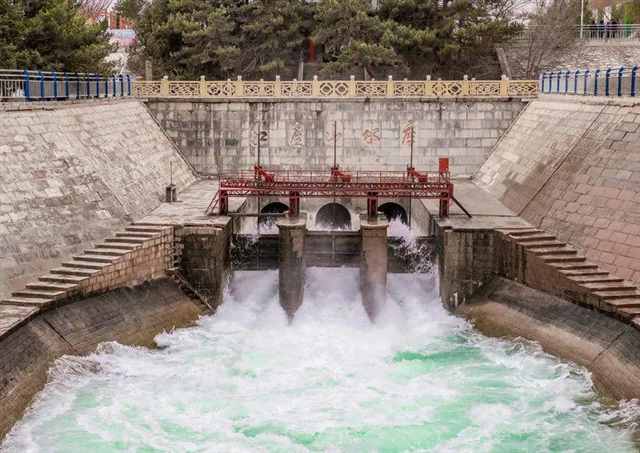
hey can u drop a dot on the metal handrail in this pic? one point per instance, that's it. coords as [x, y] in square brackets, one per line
[51, 85]
[592, 32]
[612, 82]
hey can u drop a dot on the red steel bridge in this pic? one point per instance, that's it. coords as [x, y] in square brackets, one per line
[371, 185]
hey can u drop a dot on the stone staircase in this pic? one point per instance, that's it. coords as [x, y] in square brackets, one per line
[554, 266]
[71, 277]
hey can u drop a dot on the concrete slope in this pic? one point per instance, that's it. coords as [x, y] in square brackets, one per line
[572, 167]
[606, 346]
[72, 173]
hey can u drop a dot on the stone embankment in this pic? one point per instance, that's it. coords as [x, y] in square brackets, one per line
[517, 57]
[73, 174]
[571, 166]
[538, 260]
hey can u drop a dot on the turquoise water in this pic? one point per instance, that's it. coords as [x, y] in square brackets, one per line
[245, 381]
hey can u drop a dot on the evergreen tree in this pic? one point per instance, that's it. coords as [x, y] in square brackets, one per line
[51, 35]
[273, 34]
[354, 39]
[449, 39]
[188, 38]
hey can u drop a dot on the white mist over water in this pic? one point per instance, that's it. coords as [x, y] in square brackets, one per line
[245, 381]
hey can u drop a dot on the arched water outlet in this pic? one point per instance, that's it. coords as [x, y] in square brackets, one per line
[275, 207]
[394, 211]
[334, 216]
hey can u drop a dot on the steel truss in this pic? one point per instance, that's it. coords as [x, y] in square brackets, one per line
[336, 183]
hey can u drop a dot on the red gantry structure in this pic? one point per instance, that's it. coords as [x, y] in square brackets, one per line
[371, 185]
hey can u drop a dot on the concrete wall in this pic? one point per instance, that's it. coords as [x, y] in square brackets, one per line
[71, 175]
[129, 316]
[572, 167]
[580, 54]
[222, 135]
[606, 346]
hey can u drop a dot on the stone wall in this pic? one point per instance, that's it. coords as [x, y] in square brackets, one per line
[71, 175]
[221, 135]
[580, 54]
[572, 167]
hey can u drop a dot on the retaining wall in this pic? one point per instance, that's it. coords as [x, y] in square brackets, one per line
[221, 135]
[71, 175]
[129, 316]
[580, 54]
[606, 346]
[571, 166]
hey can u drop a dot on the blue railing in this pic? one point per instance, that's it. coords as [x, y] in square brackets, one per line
[620, 81]
[51, 86]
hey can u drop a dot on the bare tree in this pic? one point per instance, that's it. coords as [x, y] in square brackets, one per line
[550, 27]
[95, 9]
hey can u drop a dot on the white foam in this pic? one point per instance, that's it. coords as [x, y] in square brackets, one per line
[245, 380]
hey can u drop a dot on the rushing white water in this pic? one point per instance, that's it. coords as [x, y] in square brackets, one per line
[243, 380]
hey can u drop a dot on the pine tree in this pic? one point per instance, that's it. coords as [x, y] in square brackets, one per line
[353, 39]
[188, 38]
[448, 39]
[51, 35]
[273, 34]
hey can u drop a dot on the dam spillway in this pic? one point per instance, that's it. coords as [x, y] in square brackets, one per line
[99, 263]
[246, 380]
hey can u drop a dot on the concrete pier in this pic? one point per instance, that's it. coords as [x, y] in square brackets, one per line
[292, 264]
[373, 266]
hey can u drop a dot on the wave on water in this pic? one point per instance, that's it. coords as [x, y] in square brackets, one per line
[419, 379]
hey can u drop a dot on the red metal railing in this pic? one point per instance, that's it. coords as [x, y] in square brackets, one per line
[372, 185]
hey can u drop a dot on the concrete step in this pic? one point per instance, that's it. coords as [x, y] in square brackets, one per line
[629, 312]
[619, 294]
[107, 251]
[95, 258]
[554, 251]
[535, 238]
[39, 294]
[595, 279]
[574, 266]
[75, 271]
[126, 246]
[85, 265]
[630, 302]
[543, 245]
[591, 272]
[569, 258]
[126, 240]
[133, 234]
[609, 286]
[72, 279]
[514, 228]
[525, 232]
[26, 302]
[51, 286]
[145, 228]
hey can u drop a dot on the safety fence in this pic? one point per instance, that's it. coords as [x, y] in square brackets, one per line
[622, 81]
[587, 32]
[51, 86]
[336, 88]
[40, 85]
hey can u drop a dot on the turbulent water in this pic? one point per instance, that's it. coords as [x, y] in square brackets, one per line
[243, 380]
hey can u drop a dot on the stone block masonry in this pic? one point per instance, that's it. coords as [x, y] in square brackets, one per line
[572, 167]
[580, 54]
[222, 135]
[71, 175]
